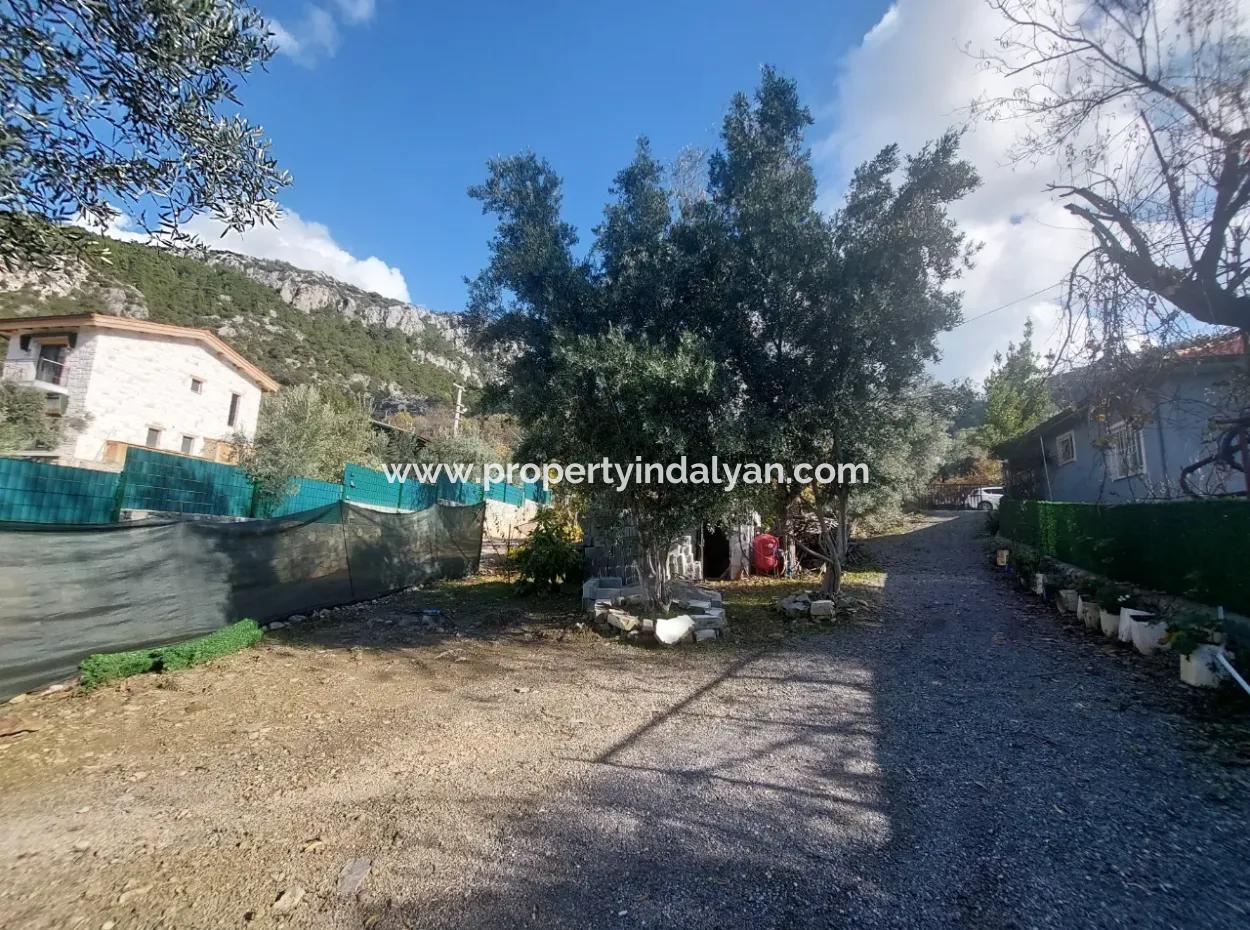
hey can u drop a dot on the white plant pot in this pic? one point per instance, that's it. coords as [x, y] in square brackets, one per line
[1200, 669]
[1109, 623]
[1067, 600]
[1039, 584]
[1088, 612]
[1125, 630]
[1147, 633]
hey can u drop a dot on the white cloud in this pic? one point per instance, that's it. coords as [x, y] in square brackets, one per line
[316, 35]
[356, 11]
[309, 245]
[294, 240]
[911, 79]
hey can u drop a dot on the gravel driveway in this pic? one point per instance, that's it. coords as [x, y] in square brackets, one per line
[967, 760]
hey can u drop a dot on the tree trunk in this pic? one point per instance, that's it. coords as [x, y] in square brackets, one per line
[831, 581]
[655, 575]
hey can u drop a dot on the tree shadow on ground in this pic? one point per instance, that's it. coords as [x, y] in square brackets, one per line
[757, 823]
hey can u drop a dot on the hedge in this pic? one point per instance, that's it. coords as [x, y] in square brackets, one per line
[107, 666]
[1193, 549]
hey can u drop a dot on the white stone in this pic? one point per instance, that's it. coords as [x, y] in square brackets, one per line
[623, 621]
[672, 630]
[822, 609]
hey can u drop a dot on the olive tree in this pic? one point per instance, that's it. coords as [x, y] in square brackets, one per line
[126, 104]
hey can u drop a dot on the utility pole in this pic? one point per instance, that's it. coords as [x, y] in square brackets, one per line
[455, 423]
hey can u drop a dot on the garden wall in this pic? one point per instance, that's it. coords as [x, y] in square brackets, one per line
[1192, 549]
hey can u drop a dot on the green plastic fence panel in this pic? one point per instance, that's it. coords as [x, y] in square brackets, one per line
[309, 494]
[1194, 549]
[366, 486]
[460, 492]
[180, 484]
[507, 494]
[417, 496]
[535, 492]
[38, 492]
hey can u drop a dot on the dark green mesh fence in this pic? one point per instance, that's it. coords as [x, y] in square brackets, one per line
[1194, 549]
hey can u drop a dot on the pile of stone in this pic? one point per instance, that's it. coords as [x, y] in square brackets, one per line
[807, 605]
[681, 560]
[606, 601]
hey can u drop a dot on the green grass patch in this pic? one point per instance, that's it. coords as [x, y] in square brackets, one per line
[108, 666]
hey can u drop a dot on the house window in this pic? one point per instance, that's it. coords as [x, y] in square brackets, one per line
[188, 444]
[50, 368]
[232, 419]
[1066, 446]
[197, 386]
[1125, 453]
[154, 438]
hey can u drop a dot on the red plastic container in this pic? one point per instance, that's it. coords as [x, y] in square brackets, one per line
[765, 554]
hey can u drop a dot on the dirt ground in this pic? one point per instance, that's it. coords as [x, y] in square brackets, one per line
[243, 793]
[954, 754]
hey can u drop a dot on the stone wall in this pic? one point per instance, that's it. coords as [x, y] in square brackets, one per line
[509, 522]
[139, 382]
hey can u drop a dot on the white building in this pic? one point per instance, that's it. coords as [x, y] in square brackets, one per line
[122, 382]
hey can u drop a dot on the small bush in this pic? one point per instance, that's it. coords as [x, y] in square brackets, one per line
[549, 556]
[109, 666]
[992, 522]
[1111, 597]
[1189, 629]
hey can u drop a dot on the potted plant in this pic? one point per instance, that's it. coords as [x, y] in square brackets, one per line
[1026, 565]
[1111, 598]
[1087, 604]
[1067, 598]
[1043, 568]
[1146, 629]
[1197, 637]
[1128, 608]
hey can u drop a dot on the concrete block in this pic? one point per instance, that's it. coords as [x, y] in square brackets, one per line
[708, 622]
[701, 635]
[623, 621]
[822, 609]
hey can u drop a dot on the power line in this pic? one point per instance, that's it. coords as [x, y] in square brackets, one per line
[1010, 303]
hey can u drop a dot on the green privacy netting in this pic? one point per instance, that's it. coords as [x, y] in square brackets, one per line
[69, 591]
[162, 482]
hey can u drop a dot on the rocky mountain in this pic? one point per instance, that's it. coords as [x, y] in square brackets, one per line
[299, 325]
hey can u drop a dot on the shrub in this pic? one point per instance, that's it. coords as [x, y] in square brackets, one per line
[1189, 629]
[1111, 597]
[549, 556]
[992, 522]
[97, 669]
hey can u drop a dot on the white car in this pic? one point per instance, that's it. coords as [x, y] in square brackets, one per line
[984, 499]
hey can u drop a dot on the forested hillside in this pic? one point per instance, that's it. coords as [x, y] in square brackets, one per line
[299, 326]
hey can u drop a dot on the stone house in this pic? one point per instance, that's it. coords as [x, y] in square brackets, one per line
[119, 382]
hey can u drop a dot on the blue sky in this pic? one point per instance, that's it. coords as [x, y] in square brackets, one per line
[384, 136]
[385, 111]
